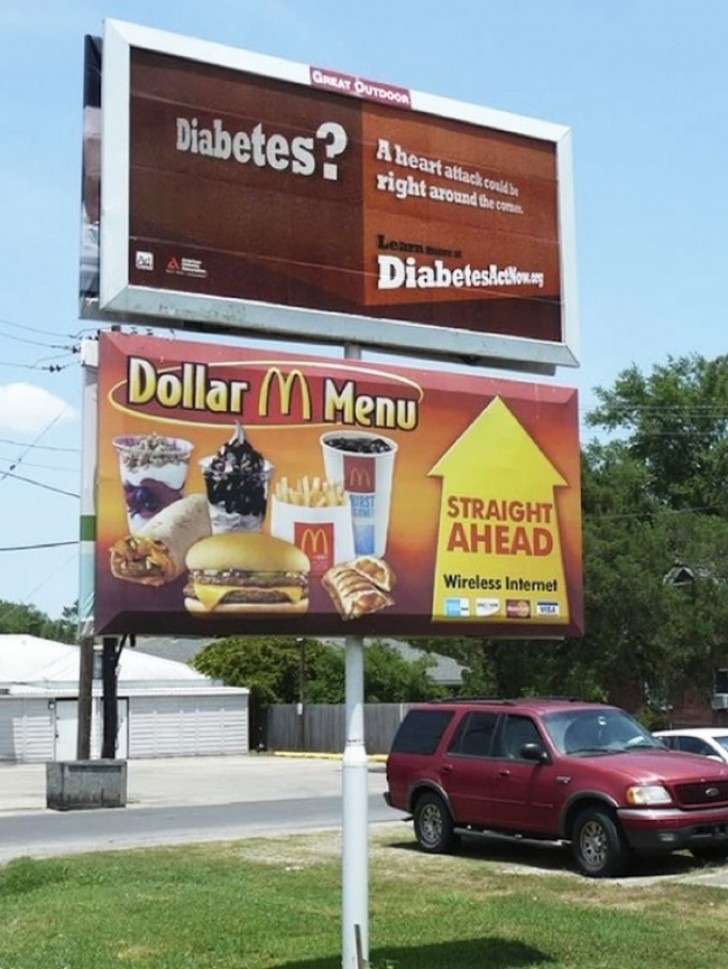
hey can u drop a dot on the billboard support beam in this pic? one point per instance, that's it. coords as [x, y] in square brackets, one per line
[355, 861]
[85, 691]
[355, 802]
[110, 659]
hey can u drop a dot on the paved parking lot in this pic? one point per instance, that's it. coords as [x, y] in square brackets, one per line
[198, 780]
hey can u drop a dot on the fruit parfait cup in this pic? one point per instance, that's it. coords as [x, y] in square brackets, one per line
[153, 473]
[236, 482]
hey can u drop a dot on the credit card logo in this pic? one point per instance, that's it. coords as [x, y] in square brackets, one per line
[518, 609]
[548, 609]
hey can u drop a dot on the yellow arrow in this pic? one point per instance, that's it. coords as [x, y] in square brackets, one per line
[499, 549]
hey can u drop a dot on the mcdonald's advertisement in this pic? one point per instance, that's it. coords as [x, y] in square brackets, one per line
[315, 190]
[246, 492]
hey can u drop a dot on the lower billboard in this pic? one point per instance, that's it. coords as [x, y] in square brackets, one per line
[243, 492]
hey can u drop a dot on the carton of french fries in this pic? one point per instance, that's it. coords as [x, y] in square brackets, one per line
[314, 514]
[310, 492]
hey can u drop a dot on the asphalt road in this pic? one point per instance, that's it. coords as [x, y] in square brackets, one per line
[40, 835]
[187, 800]
[183, 800]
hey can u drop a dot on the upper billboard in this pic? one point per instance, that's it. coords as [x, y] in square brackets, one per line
[246, 192]
[249, 493]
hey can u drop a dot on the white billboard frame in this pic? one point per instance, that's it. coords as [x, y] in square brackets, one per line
[119, 300]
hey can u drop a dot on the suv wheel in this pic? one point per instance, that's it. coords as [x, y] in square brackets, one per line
[598, 844]
[434, 827]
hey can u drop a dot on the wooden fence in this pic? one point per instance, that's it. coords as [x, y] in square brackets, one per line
[321, 727]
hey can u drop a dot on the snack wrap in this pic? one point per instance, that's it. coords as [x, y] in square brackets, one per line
[156, 554]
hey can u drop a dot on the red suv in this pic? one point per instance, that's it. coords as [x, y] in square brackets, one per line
[555, 770]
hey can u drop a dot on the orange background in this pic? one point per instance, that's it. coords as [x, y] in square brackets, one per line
[448, 404]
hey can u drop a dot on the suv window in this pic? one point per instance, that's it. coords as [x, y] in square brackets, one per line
[584, 732]
[516, 732]
[421, 731]
[474, 735]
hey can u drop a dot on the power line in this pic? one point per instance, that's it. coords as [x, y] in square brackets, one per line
[30, 329]
[30, 446]
[52, 368]
[40, 447]
[30, 548]
[37, 464]
[39, 484]
[17, 606]
[36, 343]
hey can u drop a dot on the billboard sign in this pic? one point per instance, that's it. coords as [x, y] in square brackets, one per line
[249, 493]
[247, 192]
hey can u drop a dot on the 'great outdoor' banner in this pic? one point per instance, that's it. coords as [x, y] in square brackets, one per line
[251, 492]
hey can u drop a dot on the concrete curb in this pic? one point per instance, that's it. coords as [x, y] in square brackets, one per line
[309, 755]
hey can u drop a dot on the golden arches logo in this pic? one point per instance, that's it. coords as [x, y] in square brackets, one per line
[360, 479]
[285, 383]
[314, 541]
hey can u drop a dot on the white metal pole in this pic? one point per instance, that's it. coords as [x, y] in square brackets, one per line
[355, 858]
[355, 803]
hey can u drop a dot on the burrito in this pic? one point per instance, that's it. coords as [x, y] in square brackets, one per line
[156, 554]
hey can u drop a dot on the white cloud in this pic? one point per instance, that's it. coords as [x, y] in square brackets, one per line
[27, 409]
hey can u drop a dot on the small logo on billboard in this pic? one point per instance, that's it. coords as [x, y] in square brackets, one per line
[359, 474]
[487, 607]
[548, 609]
[518, 608]
[144, 260]
[359, 87]
[317, 541]
[186, 267]
[454, 608]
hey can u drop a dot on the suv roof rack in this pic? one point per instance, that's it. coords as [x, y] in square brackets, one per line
[475, 699]
[512, 701]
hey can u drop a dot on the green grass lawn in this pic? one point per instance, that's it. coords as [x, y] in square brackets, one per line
[276, 904]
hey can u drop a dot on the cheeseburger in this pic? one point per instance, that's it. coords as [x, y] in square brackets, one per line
[246, 572]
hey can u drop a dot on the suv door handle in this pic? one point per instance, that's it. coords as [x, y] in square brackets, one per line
[447, 768]
[503, 773]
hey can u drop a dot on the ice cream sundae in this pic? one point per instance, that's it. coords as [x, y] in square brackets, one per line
[236, 481]
[153, 472]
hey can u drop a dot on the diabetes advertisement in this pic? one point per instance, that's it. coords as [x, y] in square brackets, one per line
[319, 191]
[247, 492]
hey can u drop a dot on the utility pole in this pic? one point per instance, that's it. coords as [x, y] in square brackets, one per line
[85, 694]
[111, 651]
[301, 643]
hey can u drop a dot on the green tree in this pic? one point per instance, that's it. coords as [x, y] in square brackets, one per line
[674, 423]
[389, 678]
[18, 618]
[654, 497]
[275, 668]
[472, 653]
[270, 667]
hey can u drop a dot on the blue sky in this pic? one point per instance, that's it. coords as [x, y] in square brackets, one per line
[641, 83]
